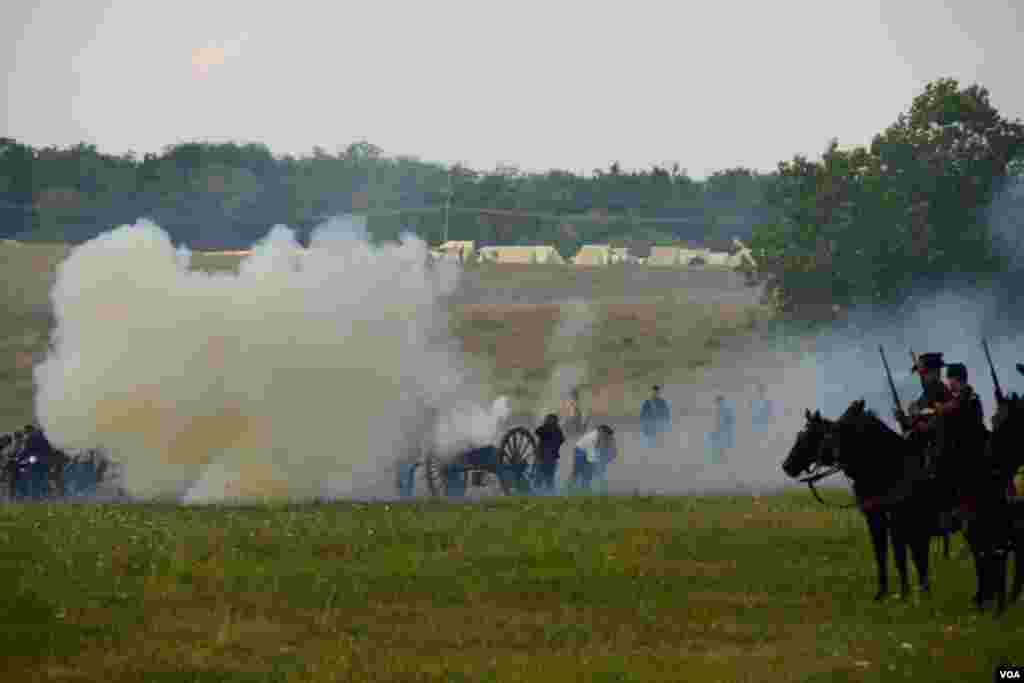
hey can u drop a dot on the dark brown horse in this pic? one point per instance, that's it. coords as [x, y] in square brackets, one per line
[898, 502]
[995, 516]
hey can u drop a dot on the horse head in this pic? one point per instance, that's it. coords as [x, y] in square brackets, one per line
[807, 452]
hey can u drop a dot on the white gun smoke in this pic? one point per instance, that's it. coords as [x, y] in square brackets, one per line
[286, 380]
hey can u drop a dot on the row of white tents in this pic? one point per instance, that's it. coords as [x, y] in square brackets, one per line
[722, 253]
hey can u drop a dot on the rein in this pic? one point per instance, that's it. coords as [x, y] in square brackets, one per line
[811, 480]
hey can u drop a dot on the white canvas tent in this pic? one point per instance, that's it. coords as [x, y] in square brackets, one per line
[594, 255]
[531, 254]
[665, 256]
[459, 250]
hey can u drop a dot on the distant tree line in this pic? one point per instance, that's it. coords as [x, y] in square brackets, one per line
[225, 196]
[935, 194]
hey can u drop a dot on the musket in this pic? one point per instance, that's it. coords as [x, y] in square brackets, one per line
[992, 369]
[892, 385]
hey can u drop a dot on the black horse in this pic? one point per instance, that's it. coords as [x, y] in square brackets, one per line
[995, 525]
[889, 483]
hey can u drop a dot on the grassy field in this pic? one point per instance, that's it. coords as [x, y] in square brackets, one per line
[559, 589]
[554, 589]
[658, 326]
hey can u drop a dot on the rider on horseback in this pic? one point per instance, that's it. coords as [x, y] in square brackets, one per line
[963, 433]
[921, 425]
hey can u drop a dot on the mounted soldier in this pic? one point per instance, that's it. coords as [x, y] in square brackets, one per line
[963, 434]
[919, 423]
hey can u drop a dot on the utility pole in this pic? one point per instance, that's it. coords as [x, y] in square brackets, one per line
[447, 204]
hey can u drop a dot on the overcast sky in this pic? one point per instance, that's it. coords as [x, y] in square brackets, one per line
[552, 84]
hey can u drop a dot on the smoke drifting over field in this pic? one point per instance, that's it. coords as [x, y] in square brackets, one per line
[826, 370]
[682, 463]
[288, 380]
[568, 346]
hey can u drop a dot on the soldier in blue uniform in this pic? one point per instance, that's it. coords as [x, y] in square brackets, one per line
[655, 417]
[722, 439]
[762, 411]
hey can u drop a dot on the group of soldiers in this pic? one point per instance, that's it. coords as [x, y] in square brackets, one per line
[947, 421]
[32, 469]
[656, 421]
[593, 451]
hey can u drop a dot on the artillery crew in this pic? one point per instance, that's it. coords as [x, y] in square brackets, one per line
[572, 414]
[551, 439]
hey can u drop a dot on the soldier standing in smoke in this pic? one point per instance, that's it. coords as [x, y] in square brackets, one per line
[551, 439]
[655, 418]
[572, 415]
[39, 456]
[419, 437]
[593, 452]
[723, 437]
[761, 410]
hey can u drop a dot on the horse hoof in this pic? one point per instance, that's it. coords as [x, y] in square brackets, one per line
[926, 591]
[880, 595]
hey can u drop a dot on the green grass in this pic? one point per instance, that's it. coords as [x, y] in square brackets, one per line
[613, 589]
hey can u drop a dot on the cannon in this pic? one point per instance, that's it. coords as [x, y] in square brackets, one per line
[80, 475]
[503, 469]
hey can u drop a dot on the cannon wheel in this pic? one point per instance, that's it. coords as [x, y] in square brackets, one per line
[518, 449]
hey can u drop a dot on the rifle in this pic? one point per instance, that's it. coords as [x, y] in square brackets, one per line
[892, 386]
[992, 369]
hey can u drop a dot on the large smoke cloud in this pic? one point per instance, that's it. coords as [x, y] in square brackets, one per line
[290, 379]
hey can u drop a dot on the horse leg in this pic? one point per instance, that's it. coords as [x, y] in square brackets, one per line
[1000, 560]
[975, 541]
[1018, 569]
[920, 547]
[1001, 526]
[879, 531]
[900, 537]
[945, 544]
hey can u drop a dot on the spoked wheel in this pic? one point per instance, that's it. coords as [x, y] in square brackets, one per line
[517, 456]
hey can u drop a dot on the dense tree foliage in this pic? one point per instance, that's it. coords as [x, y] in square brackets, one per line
[867, 224]
[228, 195]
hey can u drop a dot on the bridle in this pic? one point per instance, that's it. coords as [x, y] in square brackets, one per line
[819, 470]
